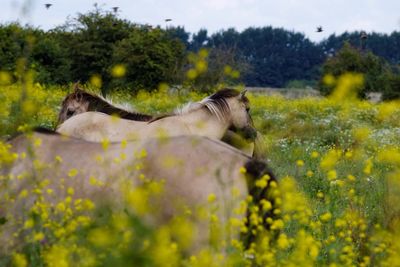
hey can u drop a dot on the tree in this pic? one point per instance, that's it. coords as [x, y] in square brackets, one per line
[51, 59]
[376, 70]
[199, 40]
[393, 90]
[150, 57]
[16, 43]
[215, 67]
[91, 44]
[179, 33]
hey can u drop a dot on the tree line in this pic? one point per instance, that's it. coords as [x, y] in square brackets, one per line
[93, 44]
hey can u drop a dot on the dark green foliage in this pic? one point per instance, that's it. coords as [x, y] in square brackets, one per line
[180, 34]
[199, 40]
[275, 55]
[382, 45]
[15, 44]
[376, 70]
[393, 90]
[151, 57]
[224, 67]
[51, 59]
[92, 43]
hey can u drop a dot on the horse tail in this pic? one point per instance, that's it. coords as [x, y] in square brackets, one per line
[263, 210]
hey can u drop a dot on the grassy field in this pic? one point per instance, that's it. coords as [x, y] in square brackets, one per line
[338, 163]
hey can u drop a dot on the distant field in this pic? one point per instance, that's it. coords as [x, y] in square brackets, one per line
[293, 93]
[290, 93]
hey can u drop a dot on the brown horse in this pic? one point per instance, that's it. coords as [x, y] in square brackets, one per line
[191, 167]
[80, 101]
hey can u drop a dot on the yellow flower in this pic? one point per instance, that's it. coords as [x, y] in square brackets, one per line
[211, 198]
[38, 236]
[261, 183]
[23, 194]
[332, 175]
[242, 170]
[277, 224]
[191, 74]
[70, 191]
[118, 71]
[326, 217]
[105, 143]
[72, 172]
[101, 237]
[330, 159]
[58, 159]
[57, 256]
[361, 134]
[348, 154]
[368, 166]
[19, 260]
[283, 241]
[351, 178]
[96, 81]
[314, 154]
[29, 223]
[300, 163]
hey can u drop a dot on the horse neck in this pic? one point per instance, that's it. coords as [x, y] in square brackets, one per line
[203, 122]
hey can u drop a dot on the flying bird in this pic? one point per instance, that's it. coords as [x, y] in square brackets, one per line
[319, 29]
[167, 20]
[363, 35]
[48, 5]
[115, 9]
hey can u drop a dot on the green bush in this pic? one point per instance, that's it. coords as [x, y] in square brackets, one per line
[376, 70]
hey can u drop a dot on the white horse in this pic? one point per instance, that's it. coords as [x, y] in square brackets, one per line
[80, 101]
[191, 167]
[211, 117]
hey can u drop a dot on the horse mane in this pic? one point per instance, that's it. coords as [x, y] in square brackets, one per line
[215, 103]
[100, 104]
[44, 130]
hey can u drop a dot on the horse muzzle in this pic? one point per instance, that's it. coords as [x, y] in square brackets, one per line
[247, 132]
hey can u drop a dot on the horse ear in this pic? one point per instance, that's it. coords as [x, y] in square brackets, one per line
[242, 94]
[76, 86]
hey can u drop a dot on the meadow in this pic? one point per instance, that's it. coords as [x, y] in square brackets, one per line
[337, 160]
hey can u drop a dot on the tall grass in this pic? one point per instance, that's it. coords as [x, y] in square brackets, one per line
[338, 163]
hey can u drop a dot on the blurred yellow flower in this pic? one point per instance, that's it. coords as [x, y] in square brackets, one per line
[118, 71]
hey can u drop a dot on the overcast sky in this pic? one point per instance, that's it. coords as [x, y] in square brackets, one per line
[335, 16]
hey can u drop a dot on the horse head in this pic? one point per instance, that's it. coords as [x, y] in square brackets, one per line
[73, 104]
[235, 107]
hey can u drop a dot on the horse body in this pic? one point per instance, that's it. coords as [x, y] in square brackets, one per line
[192, 167]
[80, 101]
[96, 127]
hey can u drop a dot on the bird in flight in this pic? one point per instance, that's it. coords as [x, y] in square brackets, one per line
[48, 5]
[115, 9]
[319, 29]
[167, 20]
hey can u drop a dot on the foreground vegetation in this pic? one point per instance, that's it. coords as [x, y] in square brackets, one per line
[338, 163]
